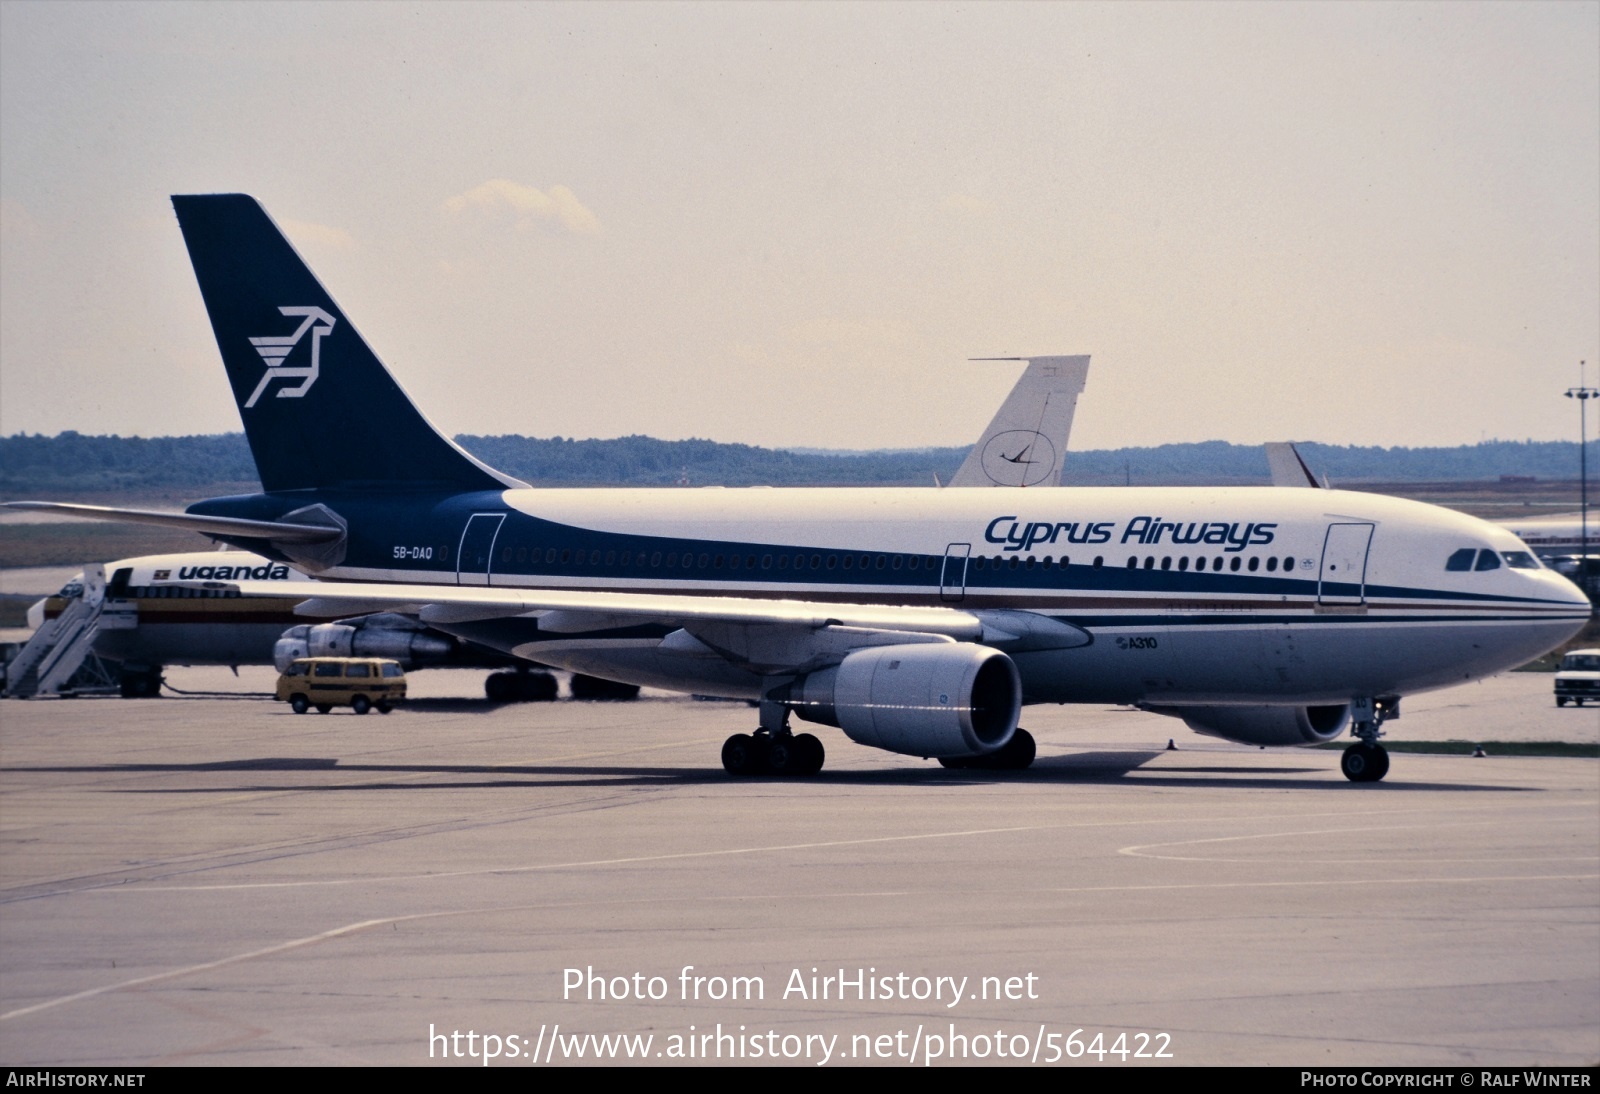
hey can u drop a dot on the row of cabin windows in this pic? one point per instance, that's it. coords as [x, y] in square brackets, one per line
[1234, 563]
[672, 560]
[1475, 558]
[1014, 562]
[174, 592]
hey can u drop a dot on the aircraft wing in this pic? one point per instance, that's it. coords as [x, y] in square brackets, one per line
[576, 610]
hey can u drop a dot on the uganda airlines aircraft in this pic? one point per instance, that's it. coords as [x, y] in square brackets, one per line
[136, 616]
[918, 621]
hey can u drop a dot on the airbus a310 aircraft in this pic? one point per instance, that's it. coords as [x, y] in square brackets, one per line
[918, 621]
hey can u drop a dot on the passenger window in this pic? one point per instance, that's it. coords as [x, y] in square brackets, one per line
[393, 671]
[1488, 560]
[359, 670]
[1461, 560]
[325, 669]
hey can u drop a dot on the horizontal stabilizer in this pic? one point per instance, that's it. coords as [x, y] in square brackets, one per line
[276, 531]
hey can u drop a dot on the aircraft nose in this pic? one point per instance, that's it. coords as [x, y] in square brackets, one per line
[1567, 590]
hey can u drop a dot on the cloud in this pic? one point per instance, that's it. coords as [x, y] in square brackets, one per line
[16, 223]
[528, 207]
[306, 231]
[852, 333]
[965, 203]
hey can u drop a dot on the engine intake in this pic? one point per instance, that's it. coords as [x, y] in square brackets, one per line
[939, 699]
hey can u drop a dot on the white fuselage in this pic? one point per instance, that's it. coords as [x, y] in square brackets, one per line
[1192, 596]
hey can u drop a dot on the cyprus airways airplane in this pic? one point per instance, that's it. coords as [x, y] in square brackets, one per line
[918, 621]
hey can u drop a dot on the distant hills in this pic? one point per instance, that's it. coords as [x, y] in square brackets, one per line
[74, 462]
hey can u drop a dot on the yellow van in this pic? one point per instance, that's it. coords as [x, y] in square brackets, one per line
[360, 683]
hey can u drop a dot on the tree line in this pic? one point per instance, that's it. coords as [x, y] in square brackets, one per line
[70, 461]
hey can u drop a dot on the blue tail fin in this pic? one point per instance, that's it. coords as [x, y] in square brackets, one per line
[319, 408]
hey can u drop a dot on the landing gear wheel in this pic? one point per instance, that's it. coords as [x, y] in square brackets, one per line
[535, 687]
[1018, 753]
[812, 754]
[139, 685]
[1364, 763]
[361, 704]
[519, 687]
[801, 754]
[783, 758]
[743, 754]
[593, 687]
[1015, 755]
[299, 704]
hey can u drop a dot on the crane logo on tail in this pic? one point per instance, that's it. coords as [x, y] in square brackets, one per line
[275, 350]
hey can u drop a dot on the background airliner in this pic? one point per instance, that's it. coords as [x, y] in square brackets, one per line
[916, 621]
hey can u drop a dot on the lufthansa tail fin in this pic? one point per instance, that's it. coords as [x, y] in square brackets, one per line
[1027, 441]
[1289, 468]
[319, 408]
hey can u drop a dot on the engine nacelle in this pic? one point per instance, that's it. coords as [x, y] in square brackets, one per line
[1265, 725]
[395, 637]
[937, 699]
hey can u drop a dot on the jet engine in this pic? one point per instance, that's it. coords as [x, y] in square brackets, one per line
[386, 634]
[937, 699]
[1265, 725]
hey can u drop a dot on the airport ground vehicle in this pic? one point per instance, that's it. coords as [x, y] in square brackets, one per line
[1578, 678]
[917, 621]
[360, 683]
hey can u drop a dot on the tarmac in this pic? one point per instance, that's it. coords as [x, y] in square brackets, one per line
[214, 880]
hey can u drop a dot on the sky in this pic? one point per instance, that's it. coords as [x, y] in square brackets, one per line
[793, 224]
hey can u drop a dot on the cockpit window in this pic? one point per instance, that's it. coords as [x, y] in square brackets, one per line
[1461, 560]
[1488, 560]
[1520, 560]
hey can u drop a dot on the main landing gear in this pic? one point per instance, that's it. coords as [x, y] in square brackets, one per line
[520, 687]
[772, 749]
[762, 753]
[1368, 761]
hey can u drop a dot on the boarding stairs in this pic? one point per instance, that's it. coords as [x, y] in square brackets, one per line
[60, 656]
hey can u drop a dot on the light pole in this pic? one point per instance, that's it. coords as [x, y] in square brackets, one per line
[1583, 394]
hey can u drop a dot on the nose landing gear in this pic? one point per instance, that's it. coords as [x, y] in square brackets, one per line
[1368, 761]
